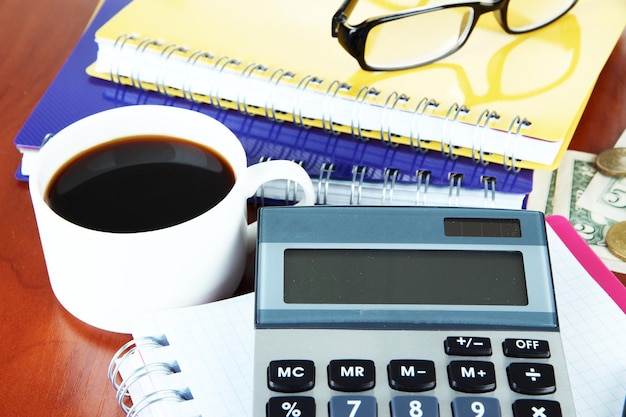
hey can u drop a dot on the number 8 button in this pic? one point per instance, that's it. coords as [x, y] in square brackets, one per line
[414, 406]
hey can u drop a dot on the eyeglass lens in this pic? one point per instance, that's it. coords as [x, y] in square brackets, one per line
[525, 15]
[425, 37]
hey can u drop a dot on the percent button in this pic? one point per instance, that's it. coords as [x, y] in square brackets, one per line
[292, 406]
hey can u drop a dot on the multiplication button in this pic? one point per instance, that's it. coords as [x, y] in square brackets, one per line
[536, 408]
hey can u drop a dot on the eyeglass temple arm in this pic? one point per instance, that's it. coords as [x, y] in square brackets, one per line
[341, 15]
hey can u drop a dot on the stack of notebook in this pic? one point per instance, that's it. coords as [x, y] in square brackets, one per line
[276, 77]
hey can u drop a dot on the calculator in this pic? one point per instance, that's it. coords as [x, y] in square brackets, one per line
[406, 312]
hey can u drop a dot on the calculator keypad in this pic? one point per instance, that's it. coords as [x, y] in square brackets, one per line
[473, 378]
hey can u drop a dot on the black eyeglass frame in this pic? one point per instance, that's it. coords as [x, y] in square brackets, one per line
[352, 38]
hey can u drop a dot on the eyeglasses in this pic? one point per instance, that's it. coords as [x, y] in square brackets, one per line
[422, 35]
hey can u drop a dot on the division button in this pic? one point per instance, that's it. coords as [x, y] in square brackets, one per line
[472, 376]
[467, 346]
[411, 375]
[291, 375]
[351, 375]
[536, 408]
[526, 348]
[531, 378]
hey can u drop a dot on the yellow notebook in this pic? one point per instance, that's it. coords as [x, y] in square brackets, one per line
[277, 58]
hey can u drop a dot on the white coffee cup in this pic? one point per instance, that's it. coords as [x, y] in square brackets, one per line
[106, 278]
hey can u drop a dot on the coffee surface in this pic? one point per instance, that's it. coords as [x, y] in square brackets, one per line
[140, 184]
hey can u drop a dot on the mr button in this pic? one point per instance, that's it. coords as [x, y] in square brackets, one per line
[351, 375]
[291, 375]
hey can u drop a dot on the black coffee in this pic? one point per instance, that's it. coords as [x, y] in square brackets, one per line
[139, 184]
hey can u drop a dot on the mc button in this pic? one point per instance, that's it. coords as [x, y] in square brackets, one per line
[291, 375]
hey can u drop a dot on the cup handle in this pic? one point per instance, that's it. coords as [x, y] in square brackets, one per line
[259, 174]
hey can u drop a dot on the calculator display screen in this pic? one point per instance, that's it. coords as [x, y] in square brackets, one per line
[399, 276]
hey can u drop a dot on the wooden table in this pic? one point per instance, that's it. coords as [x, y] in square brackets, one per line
[52, 364]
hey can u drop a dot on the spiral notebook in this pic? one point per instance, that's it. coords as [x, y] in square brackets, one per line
[512, 100]
[345, 170]
[198, 361]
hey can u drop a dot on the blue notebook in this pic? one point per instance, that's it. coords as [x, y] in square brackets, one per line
[345, 169]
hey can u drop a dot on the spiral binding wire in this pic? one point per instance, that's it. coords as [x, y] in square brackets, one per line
[219, 66]
[324, 184]
[454, 192]
[123, 387]
[324, 179]
[135, 77]
[359, 100]
[356, 188]
[187, 90]
[126, 351]
[329, 99]
[123, 392]
[154, 398]
[446, 136]
[487, 116]
[489, 184]
[304, 84]
[275, 79]
[118, 45]
[242, 104]
[166, 54]
[508, 158]
[389, 182]
[423, 180]
[385, 123]
[364, 96]
[415, 139]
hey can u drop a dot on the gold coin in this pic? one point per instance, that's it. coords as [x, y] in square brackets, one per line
[612, 162]
[616, 240]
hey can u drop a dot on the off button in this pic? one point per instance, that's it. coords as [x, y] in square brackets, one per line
[526, 348]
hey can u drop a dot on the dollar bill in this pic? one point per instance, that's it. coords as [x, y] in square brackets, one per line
[573, 177]
[606, 195]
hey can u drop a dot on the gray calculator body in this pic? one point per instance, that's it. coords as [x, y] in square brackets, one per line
[406, 312]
